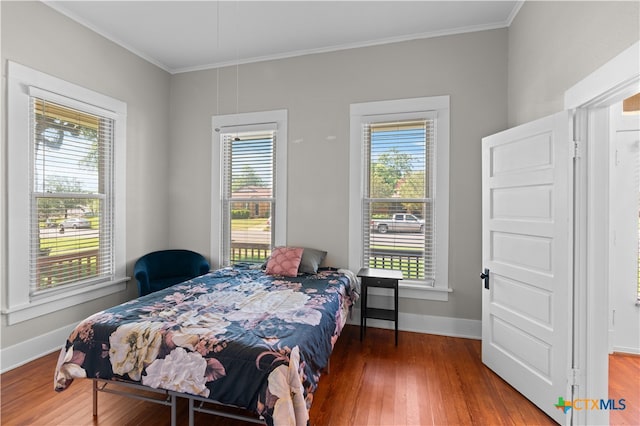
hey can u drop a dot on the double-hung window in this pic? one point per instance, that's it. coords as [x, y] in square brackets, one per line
[249, 191]
[70, 214]
[66, 194]
[399, 188]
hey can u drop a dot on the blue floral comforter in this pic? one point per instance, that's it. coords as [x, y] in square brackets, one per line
[235, 336]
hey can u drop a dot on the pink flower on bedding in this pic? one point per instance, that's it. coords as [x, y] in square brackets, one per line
[287, 284]
[176, 298]
[214, 370]
[208, 344]
[167, 339]
[84, 330]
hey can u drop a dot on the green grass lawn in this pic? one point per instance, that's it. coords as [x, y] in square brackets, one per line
[61, 244]
[67, 245]
[397, 247]
[244, 224]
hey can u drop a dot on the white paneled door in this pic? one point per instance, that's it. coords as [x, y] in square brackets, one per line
[527, 252]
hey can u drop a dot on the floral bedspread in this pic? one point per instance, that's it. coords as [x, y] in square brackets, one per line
[235, 336]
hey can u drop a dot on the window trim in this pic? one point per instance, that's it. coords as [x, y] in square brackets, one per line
[359, 114]
[248, 121]
[19, 305]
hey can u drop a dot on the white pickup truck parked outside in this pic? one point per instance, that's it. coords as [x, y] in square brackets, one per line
[400, 222]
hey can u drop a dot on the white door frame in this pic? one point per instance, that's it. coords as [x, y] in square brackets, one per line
[591, 99]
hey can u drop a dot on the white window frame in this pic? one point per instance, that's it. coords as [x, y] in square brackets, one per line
[361, 113]
[253, 121]
[19, 304]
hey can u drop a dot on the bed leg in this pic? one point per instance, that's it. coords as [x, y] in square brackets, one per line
[174, 410]
[191, 419]
[95, 398]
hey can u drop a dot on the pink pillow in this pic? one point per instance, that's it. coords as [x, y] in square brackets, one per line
[284, 261]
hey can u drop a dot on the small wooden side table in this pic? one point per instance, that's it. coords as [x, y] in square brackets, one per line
[385, 278]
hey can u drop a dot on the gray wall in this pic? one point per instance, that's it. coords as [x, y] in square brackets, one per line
[36, 36]
[317, 91]
[553, 45]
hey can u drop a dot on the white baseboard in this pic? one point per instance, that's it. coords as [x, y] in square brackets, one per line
[24, 352]
[429, 324]
[626, 350]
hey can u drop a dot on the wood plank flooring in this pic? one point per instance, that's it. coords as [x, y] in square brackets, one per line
[425, 380]
[624, 383]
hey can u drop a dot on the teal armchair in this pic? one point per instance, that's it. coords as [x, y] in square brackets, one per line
[162, 269]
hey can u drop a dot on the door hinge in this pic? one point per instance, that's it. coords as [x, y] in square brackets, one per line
[577, 149]
[575, 377]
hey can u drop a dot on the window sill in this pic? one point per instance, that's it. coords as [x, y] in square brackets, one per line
[45, 305]
[411, 290]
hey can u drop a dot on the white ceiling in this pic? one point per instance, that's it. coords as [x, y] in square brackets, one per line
[181, 36]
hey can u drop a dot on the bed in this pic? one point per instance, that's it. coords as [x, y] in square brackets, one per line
[236, 336]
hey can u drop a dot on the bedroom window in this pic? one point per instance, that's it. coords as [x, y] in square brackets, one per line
[248, 217]
[248, 199]
[401, 190]
[66, 193]
[71, 228]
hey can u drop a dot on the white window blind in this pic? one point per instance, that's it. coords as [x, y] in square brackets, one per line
[248, 193]
[399, 203]
[71, 220]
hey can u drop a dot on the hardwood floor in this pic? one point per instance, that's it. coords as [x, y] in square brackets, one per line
[624, 383]
[425, 380]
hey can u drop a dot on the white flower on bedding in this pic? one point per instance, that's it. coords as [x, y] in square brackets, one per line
[209, 322]
[273, 301]
[180, 371]
[134, 346]
[288, 305]
[285, 384]
[194, 325]
[220, 299]
[305, 315]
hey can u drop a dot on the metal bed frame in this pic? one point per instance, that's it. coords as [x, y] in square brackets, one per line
[201, 407]
[164, 397]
